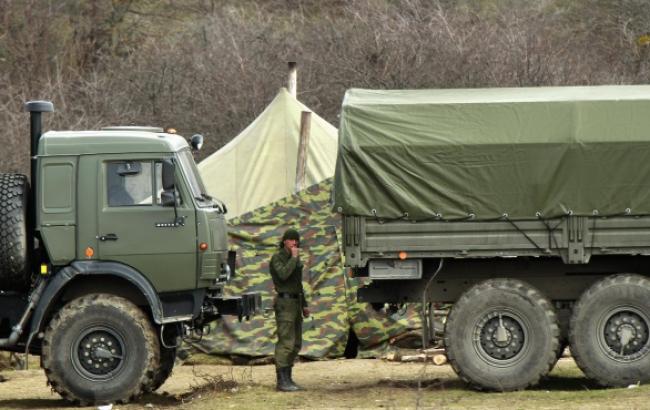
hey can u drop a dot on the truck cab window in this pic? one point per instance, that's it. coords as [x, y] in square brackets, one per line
[129, 183]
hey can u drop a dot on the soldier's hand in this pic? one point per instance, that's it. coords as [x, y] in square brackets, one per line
[295, 252]
[305, 312]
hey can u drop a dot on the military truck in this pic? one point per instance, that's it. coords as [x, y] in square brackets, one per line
[528, 209]
[110, 254]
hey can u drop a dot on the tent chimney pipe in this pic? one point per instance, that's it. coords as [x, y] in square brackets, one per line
[35, 109]
[292, 80]
[303, 149]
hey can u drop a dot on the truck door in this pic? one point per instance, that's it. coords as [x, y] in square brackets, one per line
[135, 229]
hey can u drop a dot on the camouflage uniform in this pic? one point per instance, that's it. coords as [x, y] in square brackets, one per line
[286, 272]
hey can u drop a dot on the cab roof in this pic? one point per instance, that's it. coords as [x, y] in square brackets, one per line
[108, 142]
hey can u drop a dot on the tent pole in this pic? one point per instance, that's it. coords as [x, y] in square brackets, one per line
[292, 80]
[305, 130]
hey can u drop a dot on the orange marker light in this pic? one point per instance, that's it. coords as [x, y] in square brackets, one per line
[203, 246]
[90, 252]
[403, 255]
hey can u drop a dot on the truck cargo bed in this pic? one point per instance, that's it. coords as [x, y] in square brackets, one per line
[573, 238]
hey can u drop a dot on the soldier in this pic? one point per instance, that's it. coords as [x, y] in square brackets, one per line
[290, 307]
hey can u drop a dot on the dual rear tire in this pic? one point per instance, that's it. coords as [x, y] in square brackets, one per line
[504, 335]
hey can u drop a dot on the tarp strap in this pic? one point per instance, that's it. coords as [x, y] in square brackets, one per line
[505, 216]
[551, 232]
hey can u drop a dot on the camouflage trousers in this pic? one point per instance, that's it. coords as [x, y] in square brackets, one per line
[288, 320]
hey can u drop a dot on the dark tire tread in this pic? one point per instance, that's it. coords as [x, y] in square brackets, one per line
[56, 381]
[14, 272]
[580, 310]
[518, 287]
[164, 369]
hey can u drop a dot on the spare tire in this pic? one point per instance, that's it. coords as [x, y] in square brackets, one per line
[14, 271]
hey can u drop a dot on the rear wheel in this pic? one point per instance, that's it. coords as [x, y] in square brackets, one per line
[563, 318]
[610, 331]
[502, 334]
[99, 349]
[14, 272]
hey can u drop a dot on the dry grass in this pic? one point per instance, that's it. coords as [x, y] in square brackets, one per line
[209, 384]
[5, 361]
[342, 384]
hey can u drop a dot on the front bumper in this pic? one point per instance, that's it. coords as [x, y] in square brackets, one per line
[244, 306]
[216, 305]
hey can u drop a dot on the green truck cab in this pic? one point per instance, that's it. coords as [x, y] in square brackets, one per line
[115, 255]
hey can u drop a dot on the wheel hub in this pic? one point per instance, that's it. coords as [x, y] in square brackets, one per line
[99, 353]
[626, 335]
[501, 336]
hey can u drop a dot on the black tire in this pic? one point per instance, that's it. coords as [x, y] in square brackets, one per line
[79, 341]
[563, 318]
[164, 369]
[14, 270]
[516, 313]
[614, 308]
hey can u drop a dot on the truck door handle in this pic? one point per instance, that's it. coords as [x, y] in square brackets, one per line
[108, 237]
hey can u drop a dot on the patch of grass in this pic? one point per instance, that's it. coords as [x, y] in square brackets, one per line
[206, 359]
[210, 385]
[565, 388]
[5, 362]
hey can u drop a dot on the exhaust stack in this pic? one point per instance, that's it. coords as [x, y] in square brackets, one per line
[35, 109]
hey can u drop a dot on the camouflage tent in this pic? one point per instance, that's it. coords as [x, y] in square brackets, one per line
[331, 294]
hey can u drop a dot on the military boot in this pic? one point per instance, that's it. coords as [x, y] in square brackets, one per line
[283, 383]
[290, 377]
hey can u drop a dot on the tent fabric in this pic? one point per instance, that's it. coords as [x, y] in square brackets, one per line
[331, 294]
[486, 153]
[259, 165]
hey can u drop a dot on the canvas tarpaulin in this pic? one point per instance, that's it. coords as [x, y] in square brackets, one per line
[259, 165]
[331, 294]
[486, 153]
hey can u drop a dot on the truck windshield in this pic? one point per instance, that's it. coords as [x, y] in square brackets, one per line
[194, 179]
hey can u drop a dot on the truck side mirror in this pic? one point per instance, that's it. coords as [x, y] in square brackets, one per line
[168, 168]
[169, 198]
[196, 142]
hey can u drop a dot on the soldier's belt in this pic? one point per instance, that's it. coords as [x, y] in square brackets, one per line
[284, 295]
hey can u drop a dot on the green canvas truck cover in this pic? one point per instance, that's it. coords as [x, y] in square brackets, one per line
[485, 153]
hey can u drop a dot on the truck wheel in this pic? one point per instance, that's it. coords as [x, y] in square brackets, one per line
[164, 369]
[563, 319]
[502, 334]
[609, 331]
[100, 349]
[14, 190]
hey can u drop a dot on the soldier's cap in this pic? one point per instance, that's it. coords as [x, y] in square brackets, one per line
[291, 234]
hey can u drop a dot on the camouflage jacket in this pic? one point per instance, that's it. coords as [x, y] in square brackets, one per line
[287, 274]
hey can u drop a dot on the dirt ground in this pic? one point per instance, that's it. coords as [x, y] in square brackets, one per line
[368, 383]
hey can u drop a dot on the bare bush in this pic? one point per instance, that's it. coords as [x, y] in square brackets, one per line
[211, 66]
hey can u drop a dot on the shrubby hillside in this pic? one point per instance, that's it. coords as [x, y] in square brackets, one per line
[211, 66]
